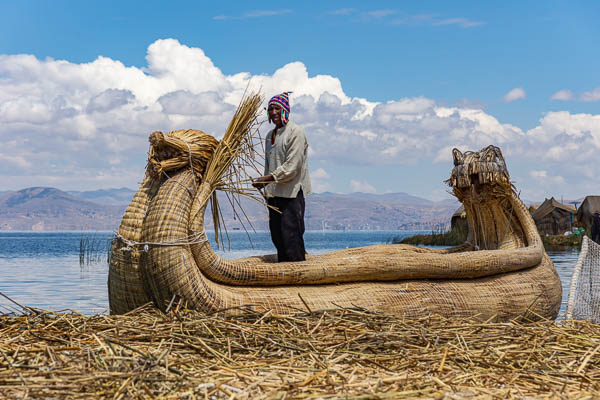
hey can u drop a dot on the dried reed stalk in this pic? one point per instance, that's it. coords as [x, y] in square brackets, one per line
[235, 152]
[332, 354]
[233, 143]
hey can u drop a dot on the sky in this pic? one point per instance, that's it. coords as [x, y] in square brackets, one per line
[384, 89]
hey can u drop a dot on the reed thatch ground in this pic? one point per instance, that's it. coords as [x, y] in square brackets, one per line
[340, 353]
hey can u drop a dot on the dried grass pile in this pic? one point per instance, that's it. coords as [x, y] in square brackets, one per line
[345, 352]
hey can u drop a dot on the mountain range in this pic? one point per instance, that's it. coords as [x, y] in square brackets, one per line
[50, 209]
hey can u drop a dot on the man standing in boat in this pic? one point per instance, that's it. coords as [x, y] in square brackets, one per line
[286, 180]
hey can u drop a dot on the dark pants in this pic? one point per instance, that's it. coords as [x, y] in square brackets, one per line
[287, 227]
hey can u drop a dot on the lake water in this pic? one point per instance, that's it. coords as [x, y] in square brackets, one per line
[44, 269]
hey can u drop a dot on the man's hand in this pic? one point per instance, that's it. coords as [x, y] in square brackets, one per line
[263, 181]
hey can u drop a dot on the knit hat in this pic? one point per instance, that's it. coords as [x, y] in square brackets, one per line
[283, 101]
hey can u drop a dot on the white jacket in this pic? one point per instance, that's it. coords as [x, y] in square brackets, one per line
[287, 161]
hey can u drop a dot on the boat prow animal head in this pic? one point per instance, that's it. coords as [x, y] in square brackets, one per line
[496, 217]
[479, 171]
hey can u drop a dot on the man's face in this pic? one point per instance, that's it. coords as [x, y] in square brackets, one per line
[275, 114]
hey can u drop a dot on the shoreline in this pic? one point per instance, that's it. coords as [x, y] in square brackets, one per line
[454, 238]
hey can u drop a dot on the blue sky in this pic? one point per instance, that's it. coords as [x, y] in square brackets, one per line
[400, 82]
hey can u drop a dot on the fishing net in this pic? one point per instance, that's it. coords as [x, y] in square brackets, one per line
[584, 294]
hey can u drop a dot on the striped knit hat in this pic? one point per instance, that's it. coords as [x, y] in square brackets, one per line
[283, 101]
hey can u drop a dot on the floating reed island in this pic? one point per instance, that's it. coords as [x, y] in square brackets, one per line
[187, 354]
[162, 253]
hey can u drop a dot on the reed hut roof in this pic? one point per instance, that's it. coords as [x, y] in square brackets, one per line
[589, 206]
[550, 205]
[459, 212]
[459, 218]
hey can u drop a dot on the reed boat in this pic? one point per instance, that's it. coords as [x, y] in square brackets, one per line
[161, 254]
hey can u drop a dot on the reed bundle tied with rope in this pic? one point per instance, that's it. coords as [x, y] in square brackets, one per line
[330, 354]
[179, 149]
[224, 165]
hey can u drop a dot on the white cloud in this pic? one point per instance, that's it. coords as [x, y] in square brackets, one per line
[593, 95]
[544, 178]
[432, 20]
[319, 173]
[343, 11]
[25, 110]
[186, 103]
[562, 135]
[435, 20]
[362, 186]
[538, 174]
[462, 22]
[109, 100]
[407, 106]
[15, 161]
[253, 14]
[562, 95]
[380, 13]
[83, 126]
[514, 94]
[320, 181]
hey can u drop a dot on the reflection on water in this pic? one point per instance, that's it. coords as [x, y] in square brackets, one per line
[43, 269]
[564, 262]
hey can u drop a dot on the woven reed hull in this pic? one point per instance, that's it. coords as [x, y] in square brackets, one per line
[125, 282]
[504, 283]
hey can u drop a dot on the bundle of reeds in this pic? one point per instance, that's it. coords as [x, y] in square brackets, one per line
[179, 149]
[227, 168]
[329, 354]
[224, 165]
[176, 150]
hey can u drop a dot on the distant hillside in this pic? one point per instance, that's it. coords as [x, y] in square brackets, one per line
[400, 197]
[52, 209]
[357, 211]
[120, 196]
[42, 208]
[392, 211]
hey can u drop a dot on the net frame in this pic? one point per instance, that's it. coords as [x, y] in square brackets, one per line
[584, 291]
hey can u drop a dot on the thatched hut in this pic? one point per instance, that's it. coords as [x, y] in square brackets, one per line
[459, 219]
[590, 205]
[553, 218]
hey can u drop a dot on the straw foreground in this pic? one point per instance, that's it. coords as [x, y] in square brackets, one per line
[331, 354]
